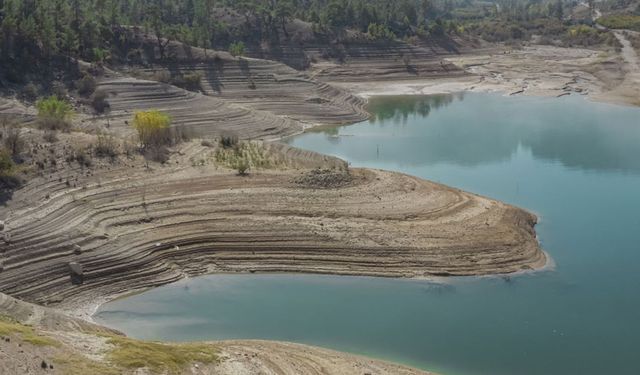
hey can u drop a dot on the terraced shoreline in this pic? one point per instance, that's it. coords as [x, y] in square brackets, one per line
[76, 236]
[130, 228]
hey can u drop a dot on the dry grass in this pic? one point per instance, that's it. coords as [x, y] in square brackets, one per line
[253, 155]
[79, 365]
[26, 333]
[157, 357]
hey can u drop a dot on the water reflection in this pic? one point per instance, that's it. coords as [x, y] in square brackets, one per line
[398, 109]
[475, 129]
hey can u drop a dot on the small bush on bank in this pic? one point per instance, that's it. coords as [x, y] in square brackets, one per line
[151, 127]
[50, 136]
[155, 134]
[99, 102]
[8, 173]
[54, 114]
[59, 90]
[106, 146]
[237, 49]
[228, 141]
[29, 93]
[12, 139]
[86, 86]
[189, 81]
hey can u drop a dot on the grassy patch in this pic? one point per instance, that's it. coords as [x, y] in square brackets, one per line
[10, 327]
[622, 21]
[79, 365]
[253, 155]
[157, 357]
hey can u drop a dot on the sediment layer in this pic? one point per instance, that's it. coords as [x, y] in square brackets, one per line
[130, 228]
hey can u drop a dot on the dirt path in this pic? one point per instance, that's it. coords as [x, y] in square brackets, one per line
[629, 90]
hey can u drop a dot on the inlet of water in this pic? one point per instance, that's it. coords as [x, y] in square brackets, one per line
[573, 162]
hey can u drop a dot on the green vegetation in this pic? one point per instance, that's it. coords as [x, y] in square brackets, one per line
[157, 357]
[8, 171]
[54, 114]
[244, 156]
[622, 21]
[45, 35]
[151, 127]
[9, 326]
[80, 365]
[188, 81]
[237, 49]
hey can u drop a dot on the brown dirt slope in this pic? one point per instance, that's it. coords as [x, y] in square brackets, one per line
[131, 228]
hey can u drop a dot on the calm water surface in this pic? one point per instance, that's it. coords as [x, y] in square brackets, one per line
[574, 163]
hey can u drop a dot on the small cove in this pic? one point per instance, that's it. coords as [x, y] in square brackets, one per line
[574, 163]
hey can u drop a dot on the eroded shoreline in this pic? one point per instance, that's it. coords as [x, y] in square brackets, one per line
[100, 190]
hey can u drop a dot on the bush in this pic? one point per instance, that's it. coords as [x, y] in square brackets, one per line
[162, 76]
[54, 114]
[189, 81]
[228, 141]
[29, 93]
[12, 139]
[81, 156]
[86, 85]
[8, 178]
[151, 127]
[237, 49]
[241, 164]
[106, 146]
[377, 32]
[50, 136]
[99, 102]
[59, 90]
[621, 21]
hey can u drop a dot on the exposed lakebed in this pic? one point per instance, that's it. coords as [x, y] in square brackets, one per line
[573, 162]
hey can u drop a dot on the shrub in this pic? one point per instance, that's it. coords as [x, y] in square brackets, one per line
[99, 102]
[106, 146]
[54, 114]
[8, 178]
[29, 93]
[12, 139]
[241, 164]
[621, 21]
[162, 76]
[376, 32]
[151, 127]
[86, 85]
[50, 136]
[237, 49]
[228, 141]
[59, 90]
[81, 156]
[189, 81]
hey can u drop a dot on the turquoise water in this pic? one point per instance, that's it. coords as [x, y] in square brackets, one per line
[574, 163]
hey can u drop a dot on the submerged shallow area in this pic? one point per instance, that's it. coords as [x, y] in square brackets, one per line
[574, 163]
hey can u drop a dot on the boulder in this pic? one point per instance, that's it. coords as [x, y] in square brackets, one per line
[76, 272]
[77, 249]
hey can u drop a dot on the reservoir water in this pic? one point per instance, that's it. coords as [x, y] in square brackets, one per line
[573, 162]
